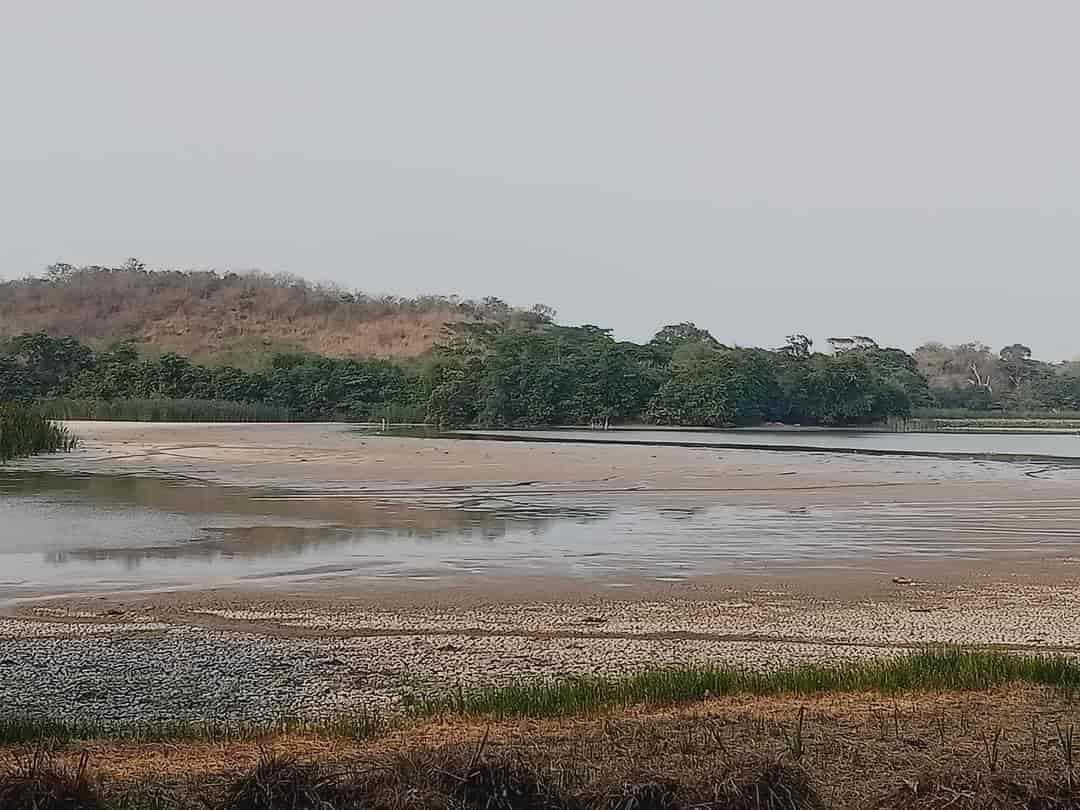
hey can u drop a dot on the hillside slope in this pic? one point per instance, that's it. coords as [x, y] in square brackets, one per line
[228, 317]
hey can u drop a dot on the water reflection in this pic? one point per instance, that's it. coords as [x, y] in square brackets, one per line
[164, 525]
[65, 533]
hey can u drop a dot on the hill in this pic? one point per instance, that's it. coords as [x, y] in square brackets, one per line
[229, 318]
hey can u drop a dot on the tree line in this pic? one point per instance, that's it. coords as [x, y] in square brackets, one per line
[190, 336]
[972, 376]
[526, 372]
[531, 371]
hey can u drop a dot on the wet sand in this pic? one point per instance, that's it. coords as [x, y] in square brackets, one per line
[323, 646]
[344, 469]
[335, 458]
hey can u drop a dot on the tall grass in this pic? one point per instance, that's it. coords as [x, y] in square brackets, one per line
[930, 670]
[984, 424]
[162, 410]
[964, 413]
[25, 431]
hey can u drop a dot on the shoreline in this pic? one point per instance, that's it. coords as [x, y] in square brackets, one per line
[957, 455]
[317, 646]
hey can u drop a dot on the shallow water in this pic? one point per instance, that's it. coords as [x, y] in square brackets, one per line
[76, 533]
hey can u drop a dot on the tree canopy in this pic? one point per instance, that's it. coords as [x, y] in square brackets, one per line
[529, 371]
[522, 372]
[973, 376]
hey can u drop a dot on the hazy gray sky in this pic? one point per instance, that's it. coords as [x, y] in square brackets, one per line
[907, 170]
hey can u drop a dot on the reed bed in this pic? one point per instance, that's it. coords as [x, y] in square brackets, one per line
[162, 410]
[26, 431]
[999, 424]
[965, 413]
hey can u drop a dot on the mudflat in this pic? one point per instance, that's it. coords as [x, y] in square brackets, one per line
[316, 645]
[337, 457]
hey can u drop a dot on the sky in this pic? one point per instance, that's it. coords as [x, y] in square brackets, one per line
[905, 170]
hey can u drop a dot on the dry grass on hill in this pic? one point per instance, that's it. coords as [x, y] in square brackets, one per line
[228, 317]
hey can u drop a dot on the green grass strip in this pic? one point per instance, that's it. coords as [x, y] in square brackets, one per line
[933, 670]
[20, 730]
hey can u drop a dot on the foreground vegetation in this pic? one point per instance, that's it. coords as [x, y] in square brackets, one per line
[999, 749]
[24, 431]
[933, 729]
[421, 779]
[694, 773]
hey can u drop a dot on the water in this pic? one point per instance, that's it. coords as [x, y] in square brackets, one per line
[64, 533]
[1064, 447]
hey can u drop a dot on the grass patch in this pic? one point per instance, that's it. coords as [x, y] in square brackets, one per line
[26, 431]
[280, 781]
[1011, 750]
[929, 670]
[162, 410]
[974, 790]
[468, 779]
[21, 730]
[645, 772]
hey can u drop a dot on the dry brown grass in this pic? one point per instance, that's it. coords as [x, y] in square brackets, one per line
[228, 318]
[999, 749]
[280, 780]
[37, 782]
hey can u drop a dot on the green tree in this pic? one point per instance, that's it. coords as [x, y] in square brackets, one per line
[717, 388]
[51, 363]
[15, 381]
